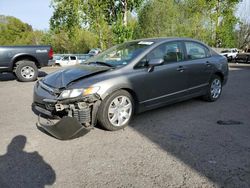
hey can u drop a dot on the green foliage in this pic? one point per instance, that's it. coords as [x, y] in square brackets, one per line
[15, 32]
[207, 20]
[82, 41]
[77, 26]
[66, 16]
[224, 21]
[122, 32]
[106, 19]
[157, 18]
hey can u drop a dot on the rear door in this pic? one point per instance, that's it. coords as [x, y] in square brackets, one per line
[199, 65]
[73, 60]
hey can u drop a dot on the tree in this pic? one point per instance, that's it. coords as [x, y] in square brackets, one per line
[207, 20]
[223, 21]
[243, 35]
[107, 19]
[149, 24]
[66, 16]
[14, 32]
[119, 10]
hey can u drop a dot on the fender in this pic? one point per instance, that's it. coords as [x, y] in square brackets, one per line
[104, 93]
[23, 56]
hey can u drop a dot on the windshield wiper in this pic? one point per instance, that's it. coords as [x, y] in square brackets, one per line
[100, 63]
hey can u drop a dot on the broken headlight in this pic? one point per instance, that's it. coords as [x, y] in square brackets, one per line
[72, 93]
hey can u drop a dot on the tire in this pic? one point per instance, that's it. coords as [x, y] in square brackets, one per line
[247, 60]
[113, 116]
[214, 90]
[26, 71]
[235, 61]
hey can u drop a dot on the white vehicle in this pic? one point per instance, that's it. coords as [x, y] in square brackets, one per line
[67, 60]
[94, 51]
[230, 54]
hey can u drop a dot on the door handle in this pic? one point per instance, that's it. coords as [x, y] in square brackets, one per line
[180, 68]
[208, 64]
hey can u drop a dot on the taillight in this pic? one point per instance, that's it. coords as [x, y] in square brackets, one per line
[51, 53]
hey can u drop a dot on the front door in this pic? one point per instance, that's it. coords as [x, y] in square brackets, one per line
[167, 81]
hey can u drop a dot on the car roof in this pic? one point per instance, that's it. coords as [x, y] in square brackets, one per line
[164, 39]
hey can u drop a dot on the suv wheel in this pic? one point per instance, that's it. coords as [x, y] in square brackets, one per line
[116, 110]
[26, 71]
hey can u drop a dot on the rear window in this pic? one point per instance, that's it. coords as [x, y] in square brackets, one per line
[196, 51]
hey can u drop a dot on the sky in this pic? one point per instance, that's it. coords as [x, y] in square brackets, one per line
[244, 10]
[37, 12]
[34, 12]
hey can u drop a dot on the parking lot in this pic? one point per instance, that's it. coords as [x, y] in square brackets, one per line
[180, 145]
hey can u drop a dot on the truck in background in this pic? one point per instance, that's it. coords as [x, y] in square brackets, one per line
[243, 57]
[24, 61]
[230, 54]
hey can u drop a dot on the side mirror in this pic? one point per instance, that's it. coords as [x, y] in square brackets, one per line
[154, 62]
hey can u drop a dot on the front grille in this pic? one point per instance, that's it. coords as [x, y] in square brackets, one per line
[49, 107]
[40, 105]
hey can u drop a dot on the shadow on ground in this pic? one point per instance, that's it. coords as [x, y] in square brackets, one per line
[19, 168]
[189, 131]
[10, 76]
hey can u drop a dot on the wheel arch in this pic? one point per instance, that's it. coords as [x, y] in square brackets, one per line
[21, 57]
[220, 75]
[128, 89]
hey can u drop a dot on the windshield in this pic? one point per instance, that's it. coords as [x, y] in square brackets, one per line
[65, 58]
[120, 55]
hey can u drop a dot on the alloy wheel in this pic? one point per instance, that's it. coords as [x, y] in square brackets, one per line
[215, 88]
[120, 111]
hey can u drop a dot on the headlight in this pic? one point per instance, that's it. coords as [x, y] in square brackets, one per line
[78, 92]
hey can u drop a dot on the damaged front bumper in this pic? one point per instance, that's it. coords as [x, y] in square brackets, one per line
[68, 118]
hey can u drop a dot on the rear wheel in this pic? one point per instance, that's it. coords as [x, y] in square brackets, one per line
[116, 110]
[26, 71]
[214, 90]
[247, 60]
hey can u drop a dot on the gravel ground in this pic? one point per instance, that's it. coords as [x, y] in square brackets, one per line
[180, 145]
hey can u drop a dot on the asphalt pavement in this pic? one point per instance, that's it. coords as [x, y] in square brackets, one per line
[180, 145]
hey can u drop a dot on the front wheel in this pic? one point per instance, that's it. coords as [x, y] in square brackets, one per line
[230, 58]
[214, 90]
[116, 110]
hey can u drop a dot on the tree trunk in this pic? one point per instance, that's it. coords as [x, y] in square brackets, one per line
[125, 14]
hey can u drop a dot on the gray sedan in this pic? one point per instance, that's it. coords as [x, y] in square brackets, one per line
[128, 78]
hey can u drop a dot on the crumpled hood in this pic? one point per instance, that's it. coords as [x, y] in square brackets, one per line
[61, 78]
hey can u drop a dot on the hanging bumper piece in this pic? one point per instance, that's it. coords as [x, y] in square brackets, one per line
[68, 119]
[64, 129]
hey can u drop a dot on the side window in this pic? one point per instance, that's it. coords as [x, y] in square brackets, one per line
[72, 58]
[142, 64]
[196, 51]
[169, 52]
[65, 58]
